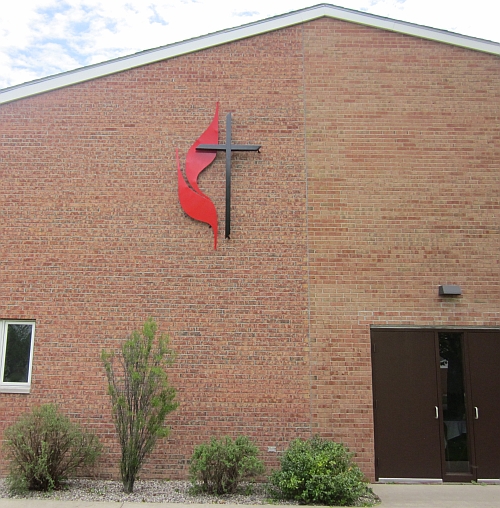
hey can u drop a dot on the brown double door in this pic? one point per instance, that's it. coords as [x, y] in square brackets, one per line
[436, 404]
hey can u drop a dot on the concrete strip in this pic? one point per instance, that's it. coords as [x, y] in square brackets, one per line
[447, 495]
[52, 503]
[202, 505]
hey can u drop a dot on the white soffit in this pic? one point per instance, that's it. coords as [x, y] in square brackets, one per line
[235, 34]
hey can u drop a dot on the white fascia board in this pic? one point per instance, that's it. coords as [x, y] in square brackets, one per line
[238, 33]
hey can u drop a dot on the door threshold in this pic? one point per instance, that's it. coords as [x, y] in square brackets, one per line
[410, 480]
[458, 478]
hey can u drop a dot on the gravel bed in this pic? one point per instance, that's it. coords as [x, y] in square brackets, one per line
[159, 491]
[145, 491]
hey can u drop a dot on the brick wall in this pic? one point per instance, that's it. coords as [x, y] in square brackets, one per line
[402, 155]
[377, 181]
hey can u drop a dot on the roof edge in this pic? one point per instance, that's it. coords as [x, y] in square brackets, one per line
[241, 32]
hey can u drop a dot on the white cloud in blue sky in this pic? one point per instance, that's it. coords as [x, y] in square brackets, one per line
[39, 38]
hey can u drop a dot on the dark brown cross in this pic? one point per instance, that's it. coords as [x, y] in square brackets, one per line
[228, 147]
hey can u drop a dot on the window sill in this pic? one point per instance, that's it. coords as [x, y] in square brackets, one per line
[15, 389]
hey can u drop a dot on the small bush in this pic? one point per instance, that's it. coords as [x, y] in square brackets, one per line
[141, 396]
[317, 471]
[45, 448]
[222, 464]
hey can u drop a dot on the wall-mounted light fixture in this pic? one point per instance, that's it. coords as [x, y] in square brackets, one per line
[450, 290]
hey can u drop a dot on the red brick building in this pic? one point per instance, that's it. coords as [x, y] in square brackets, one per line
[376, 188]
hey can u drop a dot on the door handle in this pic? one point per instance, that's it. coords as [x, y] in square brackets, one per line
[476, 413]
[437, 412]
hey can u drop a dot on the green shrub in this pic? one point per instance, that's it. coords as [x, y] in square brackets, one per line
[141, 396]
[222, 464]
[45, 448]
[318, 471]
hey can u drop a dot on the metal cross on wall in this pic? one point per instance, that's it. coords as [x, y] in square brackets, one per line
[228, 147]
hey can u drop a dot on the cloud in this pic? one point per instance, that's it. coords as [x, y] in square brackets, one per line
[156, 18]
[246, 14]
[42, 37]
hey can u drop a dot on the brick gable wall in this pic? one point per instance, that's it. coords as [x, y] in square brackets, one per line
[95, 241]
[375, 184]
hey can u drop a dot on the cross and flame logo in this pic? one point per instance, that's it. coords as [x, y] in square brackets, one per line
[201, 154]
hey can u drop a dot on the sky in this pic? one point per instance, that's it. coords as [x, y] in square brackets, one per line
[39, 38]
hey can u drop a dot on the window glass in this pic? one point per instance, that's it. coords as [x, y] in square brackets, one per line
[17, 353]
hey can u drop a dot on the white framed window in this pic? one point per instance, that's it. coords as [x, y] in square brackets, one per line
[16, 355]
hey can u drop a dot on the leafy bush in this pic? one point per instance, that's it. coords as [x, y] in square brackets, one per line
[141, 396]
[318, 471]
[222, 464]
[45, 448]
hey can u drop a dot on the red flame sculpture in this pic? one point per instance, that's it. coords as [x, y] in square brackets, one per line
[196, 204]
